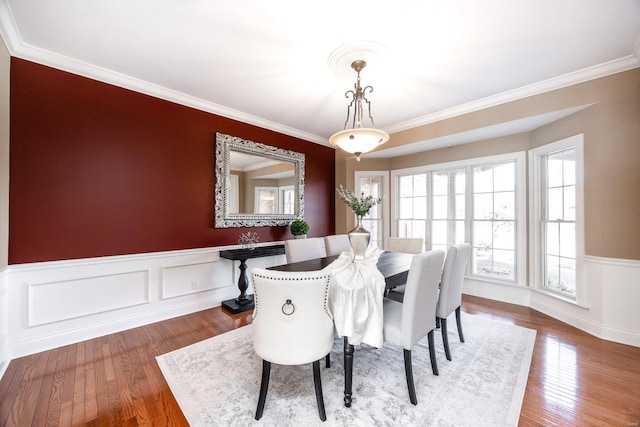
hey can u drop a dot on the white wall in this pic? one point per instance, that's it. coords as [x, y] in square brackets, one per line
[4, 323]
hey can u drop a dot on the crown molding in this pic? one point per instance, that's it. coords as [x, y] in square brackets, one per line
[104, 75]
[602, 70]
[22, 50]
[18, 48]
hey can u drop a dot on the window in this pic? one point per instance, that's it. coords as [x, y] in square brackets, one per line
[274, 200]
[287, 199]
[375, 184]
[557, 244]
[494, 218]
[480, 201]
[412, 206]
[448, 208]
[266, 200]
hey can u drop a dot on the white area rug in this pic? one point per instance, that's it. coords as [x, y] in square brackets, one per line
[217, 381]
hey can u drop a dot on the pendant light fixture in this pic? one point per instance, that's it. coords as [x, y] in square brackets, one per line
[359, 139]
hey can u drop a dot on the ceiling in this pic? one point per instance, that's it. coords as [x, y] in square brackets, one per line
[285, 65]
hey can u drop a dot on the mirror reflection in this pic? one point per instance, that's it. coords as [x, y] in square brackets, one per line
[257, 184]
[260, 185]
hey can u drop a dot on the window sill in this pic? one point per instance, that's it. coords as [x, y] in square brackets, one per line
[494, 281]
[562, 298]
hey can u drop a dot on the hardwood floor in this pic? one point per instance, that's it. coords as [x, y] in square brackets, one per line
[575, 379]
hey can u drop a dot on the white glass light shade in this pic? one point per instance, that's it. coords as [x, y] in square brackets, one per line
[359, 141]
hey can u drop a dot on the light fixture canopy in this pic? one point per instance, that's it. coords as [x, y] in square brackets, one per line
[359, 139]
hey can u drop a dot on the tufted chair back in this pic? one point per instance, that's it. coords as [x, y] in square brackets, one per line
[292, 324]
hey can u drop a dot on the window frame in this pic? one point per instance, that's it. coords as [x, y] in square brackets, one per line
[384, 206]
[536, 203]
[521, 244]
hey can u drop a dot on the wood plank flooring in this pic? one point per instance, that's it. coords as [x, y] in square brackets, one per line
[575, 379]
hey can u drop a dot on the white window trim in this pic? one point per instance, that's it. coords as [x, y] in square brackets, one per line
[385, 197]
[521, 218]
[281, 198]
[256, 197]
[535, 191]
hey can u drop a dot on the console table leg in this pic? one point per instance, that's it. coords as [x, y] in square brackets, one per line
[243, 302]
[348, 372]
[243, 283]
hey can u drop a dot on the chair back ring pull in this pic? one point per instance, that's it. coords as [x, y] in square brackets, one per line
[288, 308]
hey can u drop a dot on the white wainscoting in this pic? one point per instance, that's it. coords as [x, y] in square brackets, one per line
[48, 305]
[613, 298]
[52, 304]
[4, 322]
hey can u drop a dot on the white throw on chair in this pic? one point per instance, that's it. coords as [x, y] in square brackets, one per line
[407, 323]
[303, 249]
[292, 324]
[450, 297]
[411, 245]
[336, 244]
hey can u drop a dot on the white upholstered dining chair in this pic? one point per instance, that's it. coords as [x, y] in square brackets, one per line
[303, 249]
[411, 245]
[406, 323]
[450, 297]
[292, 324]
[336, 244]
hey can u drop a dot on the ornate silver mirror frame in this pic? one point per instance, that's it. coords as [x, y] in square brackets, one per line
[225, 144]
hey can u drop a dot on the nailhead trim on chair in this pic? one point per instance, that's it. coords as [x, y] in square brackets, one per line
[326, 291]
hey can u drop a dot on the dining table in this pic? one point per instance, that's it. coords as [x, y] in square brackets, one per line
[393, 268]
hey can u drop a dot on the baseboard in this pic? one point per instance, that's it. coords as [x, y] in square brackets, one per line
[5, 357]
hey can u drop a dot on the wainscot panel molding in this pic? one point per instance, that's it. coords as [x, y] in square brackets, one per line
[52, 304]
[512, 294]
[613, 293]
[49, 302]
[4, 321]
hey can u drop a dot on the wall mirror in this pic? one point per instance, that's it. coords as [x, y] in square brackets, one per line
[256, 184]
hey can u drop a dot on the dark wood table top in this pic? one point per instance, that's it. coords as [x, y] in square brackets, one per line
[394, 266]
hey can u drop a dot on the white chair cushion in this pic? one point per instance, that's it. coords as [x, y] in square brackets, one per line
[409, 245]
[336, 244]
[391, 329]
[303, 249]
[303, 336]
[452, 281]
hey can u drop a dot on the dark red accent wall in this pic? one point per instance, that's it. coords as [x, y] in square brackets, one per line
[98, 170]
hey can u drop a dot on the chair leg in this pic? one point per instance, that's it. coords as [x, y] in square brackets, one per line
[408, 369]
[432, 353]
[459, 324]
[445, 338]
[318, 383]
[328, 360]
[266, 370]
[437, 323]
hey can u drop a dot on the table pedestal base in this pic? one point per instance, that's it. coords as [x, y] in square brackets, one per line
[238, 307]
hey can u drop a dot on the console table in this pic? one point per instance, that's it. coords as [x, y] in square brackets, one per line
[245, 302]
